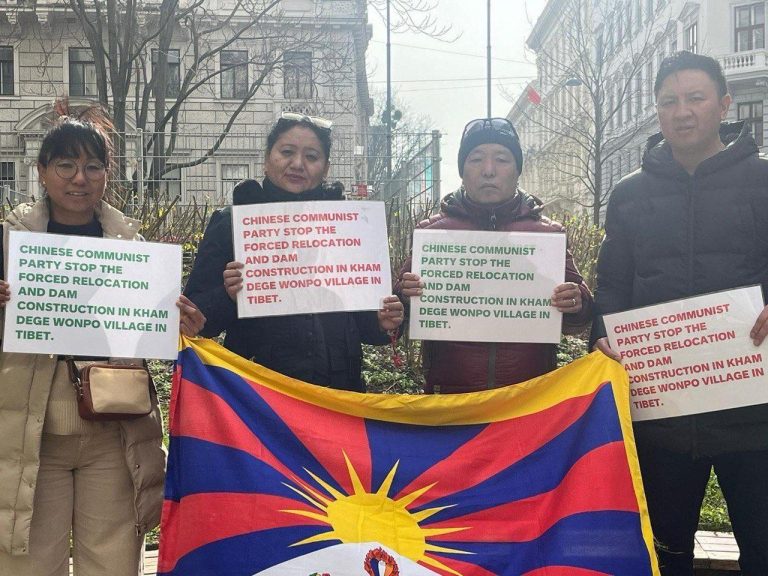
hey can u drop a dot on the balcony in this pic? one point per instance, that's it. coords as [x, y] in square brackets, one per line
[744, 64]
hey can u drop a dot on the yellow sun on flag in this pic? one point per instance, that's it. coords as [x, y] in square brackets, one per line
[374, 517]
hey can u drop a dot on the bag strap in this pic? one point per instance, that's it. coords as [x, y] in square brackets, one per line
[74, 376]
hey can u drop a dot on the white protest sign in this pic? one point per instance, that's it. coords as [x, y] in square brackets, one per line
[310, 257]
[693, 355]
[82, 296]
[487, 286]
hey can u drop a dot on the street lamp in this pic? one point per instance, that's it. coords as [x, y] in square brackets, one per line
[389, 100]
[489, 58]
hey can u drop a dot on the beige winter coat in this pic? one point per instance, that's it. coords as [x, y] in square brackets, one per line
[25, 383]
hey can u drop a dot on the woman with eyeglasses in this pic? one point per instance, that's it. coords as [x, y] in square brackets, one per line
[490, 163]
[323, 349]
[98, 485]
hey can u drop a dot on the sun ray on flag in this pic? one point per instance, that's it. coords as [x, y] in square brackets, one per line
[310, 496]
[364, 516]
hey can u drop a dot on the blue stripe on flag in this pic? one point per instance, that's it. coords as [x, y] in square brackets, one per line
[543, 469]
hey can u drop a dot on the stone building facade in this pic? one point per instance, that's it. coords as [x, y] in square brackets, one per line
[306, 56]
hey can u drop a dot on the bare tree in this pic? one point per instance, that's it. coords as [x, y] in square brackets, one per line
[137, 49]
[595, 101]
[411, 194]
[415, 16]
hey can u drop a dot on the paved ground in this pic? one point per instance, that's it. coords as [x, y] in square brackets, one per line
[716, 553]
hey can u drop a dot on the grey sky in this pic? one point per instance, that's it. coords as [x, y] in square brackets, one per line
[444, 81]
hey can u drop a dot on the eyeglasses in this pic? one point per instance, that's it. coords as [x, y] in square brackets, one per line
[67, 169]
[497, 124]
[317, 121]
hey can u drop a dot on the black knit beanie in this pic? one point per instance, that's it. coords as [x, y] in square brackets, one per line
[486, 133]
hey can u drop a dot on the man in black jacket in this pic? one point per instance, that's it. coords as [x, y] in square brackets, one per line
[693, 220]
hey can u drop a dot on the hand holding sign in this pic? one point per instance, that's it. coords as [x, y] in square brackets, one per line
[567, 298]
[604, 346]
[233, 279]
[391, 314]
[411, 285]
[760, 329]
[5, 293]
[191, 319]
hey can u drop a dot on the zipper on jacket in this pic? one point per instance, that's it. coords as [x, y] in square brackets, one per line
[691, 233]
[491, 382]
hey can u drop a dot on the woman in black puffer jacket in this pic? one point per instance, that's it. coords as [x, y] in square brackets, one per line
[323, 349]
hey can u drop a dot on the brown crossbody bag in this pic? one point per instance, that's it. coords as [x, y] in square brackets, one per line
[111, 391]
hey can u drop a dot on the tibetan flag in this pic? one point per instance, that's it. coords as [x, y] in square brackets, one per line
[270, 476]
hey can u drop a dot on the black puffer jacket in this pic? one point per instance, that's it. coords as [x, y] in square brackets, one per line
[672, 235]
[322, 349]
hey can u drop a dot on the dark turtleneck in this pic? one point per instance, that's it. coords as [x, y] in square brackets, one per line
[251, 192]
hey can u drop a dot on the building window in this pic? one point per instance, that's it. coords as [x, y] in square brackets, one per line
[752, 114]
[231, 174]
[170, 184]
[750, 27]
[6, 70]
[648, 10]
[619, 27]
[692, 38]
[234, 73]
[82, 72]
[8, 174]
[297, 75]
[173, 75]
[8, 182]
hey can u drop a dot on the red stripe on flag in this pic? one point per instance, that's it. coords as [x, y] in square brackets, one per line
[457, 565]
[599, 480]
[203, 518]
[312, 425]
[208, 417]
[496, 448]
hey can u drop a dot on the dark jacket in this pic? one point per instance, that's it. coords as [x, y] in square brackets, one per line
[671, 235]
[323, 349]
[453, 366]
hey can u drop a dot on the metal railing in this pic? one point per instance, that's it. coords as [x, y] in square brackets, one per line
[194, 168]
